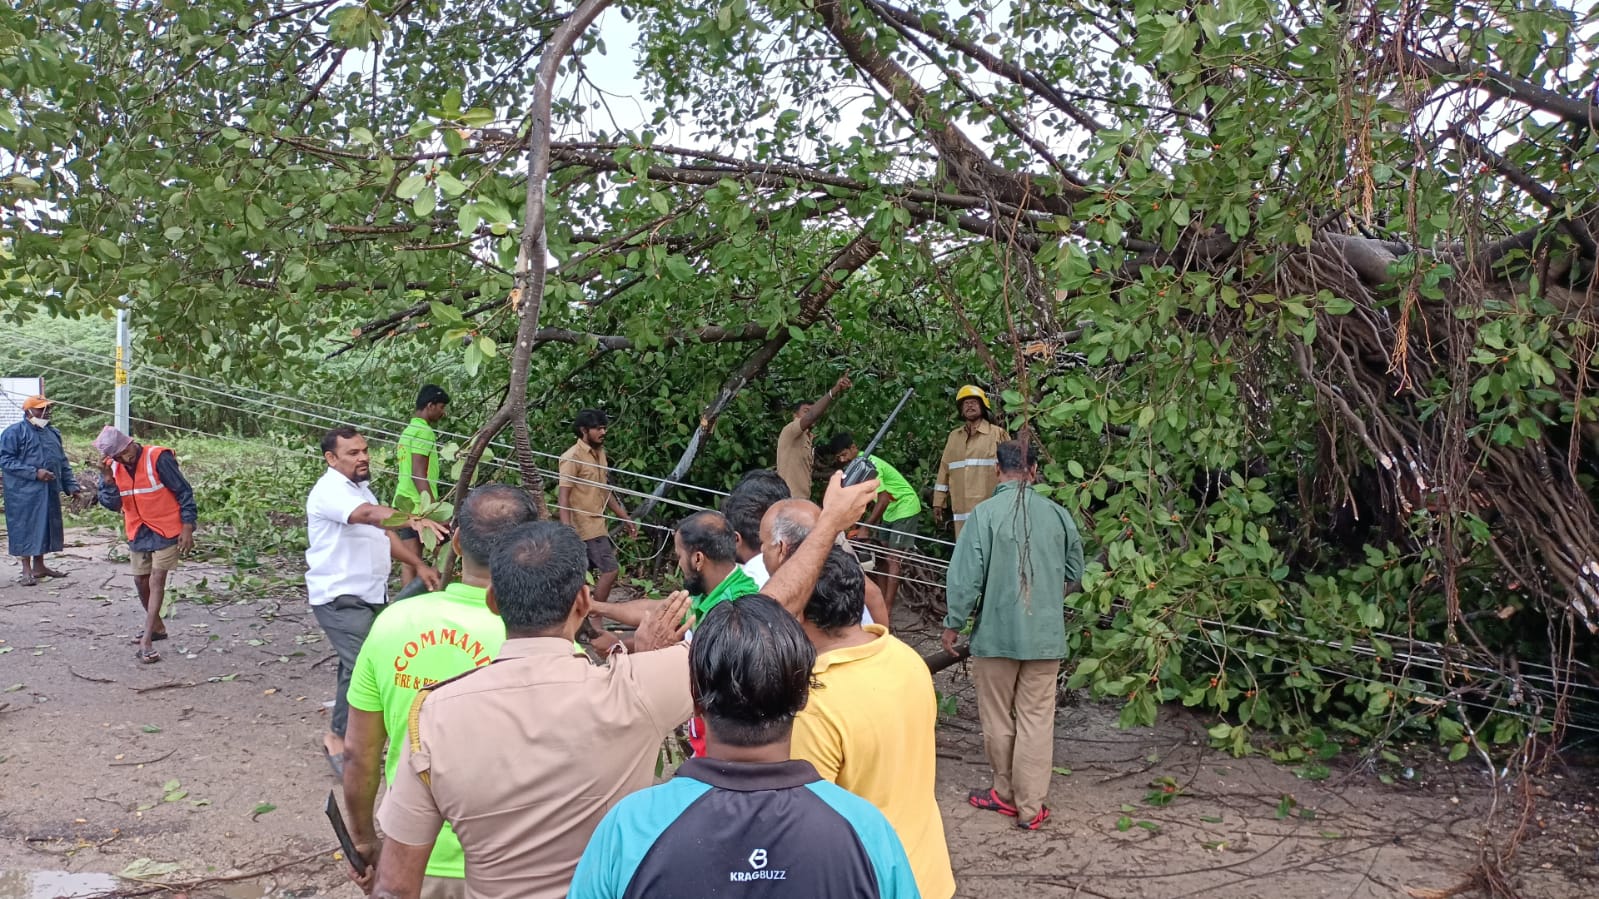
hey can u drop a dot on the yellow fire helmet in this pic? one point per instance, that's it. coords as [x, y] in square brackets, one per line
[972, 390]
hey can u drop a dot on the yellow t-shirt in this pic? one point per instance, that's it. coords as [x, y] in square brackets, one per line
[869, 729]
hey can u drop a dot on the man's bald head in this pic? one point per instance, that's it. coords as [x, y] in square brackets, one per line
[784, 527]
[488, 514]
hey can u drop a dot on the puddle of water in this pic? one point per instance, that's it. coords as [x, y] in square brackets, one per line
[52, 884]
[66, 884]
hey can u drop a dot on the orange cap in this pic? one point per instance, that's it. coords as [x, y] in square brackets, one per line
[36, 402]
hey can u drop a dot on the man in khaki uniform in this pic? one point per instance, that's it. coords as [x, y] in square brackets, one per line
[966, 473]
[584, 494]
[525, 756]
[795, 457]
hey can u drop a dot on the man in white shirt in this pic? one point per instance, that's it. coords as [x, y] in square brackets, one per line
[352, 542]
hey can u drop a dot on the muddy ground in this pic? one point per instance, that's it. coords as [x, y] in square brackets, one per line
[208, 765]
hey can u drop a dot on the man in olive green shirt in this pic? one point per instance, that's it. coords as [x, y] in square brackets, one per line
[417, 473]
[1009, 573]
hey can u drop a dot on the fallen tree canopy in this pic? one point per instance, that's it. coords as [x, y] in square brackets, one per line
[1300, 300]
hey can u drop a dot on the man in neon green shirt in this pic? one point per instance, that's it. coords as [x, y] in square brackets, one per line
[418, 470]
[418, 642]
[897, 509]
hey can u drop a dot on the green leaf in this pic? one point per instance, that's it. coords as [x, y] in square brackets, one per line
[1124, 823]
[659, 201]
[1303, 234]
[425, 203]
[255, 217]
[151, 729]
[451, 185]
[107, 248]
[261, 809]
[411, 186]
[1459, 751]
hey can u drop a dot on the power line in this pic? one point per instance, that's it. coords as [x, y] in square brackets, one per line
[1439, 665]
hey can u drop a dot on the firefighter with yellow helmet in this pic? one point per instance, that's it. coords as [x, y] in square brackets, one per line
[969, 468]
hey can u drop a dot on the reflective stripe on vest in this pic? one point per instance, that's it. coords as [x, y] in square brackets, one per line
[962, 516]
[152, 505]
[149, 475]
[987, 463]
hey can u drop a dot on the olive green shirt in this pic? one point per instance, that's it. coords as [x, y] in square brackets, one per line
[1016, 554]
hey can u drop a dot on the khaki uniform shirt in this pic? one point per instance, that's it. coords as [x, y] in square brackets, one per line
[584, 470]
[968, 470]
[795, 459]
[526, 755]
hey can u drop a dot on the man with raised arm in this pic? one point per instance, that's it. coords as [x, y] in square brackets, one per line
[796, 460]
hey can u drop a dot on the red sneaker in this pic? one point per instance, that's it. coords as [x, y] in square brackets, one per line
[989, 800]
[1038, 819]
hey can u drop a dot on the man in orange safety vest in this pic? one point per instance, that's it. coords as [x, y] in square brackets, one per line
[157, 506]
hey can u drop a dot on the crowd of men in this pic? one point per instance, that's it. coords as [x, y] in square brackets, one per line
[517, 765]
[811, 727]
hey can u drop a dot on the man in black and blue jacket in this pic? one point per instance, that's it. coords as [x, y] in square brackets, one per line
[745, 819]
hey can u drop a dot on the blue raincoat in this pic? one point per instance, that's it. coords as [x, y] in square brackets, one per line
[33, 507]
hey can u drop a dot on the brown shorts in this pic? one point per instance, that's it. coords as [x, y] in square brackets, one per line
[160, 560]
[602, 554]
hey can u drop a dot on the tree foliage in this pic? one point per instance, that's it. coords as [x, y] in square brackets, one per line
[1298, 298]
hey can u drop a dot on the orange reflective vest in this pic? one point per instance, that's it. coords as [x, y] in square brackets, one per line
[145, 500]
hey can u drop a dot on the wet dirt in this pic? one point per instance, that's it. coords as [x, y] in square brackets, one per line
[207, 767]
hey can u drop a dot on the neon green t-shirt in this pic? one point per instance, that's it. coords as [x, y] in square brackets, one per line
[414, 643]
[903, 502]
[418, 439]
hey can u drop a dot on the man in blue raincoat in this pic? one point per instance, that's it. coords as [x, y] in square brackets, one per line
[34, 460]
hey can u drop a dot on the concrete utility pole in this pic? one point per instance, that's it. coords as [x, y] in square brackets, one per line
[124, 344]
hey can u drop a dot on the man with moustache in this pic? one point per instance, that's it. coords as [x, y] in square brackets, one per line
[967, 470]
[352, 539]
[584, 494]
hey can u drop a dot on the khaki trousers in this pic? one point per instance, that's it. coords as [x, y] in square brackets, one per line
[1016, 705]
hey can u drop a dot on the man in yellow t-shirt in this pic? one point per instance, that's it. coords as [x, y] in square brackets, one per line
[870, 728]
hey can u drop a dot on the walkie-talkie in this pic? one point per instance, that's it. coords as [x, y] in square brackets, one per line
[859, 468]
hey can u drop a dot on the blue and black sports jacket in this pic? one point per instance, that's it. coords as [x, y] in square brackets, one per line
[744, 830]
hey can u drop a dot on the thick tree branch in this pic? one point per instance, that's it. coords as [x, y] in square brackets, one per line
[1001, 67]
[813, 299]
[967, 164]
[1509, 87]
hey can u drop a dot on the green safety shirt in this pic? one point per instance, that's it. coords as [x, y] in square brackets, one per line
[1016, 555]
[418, 439]
[417, 642]
[732, 587]
[903, 501]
